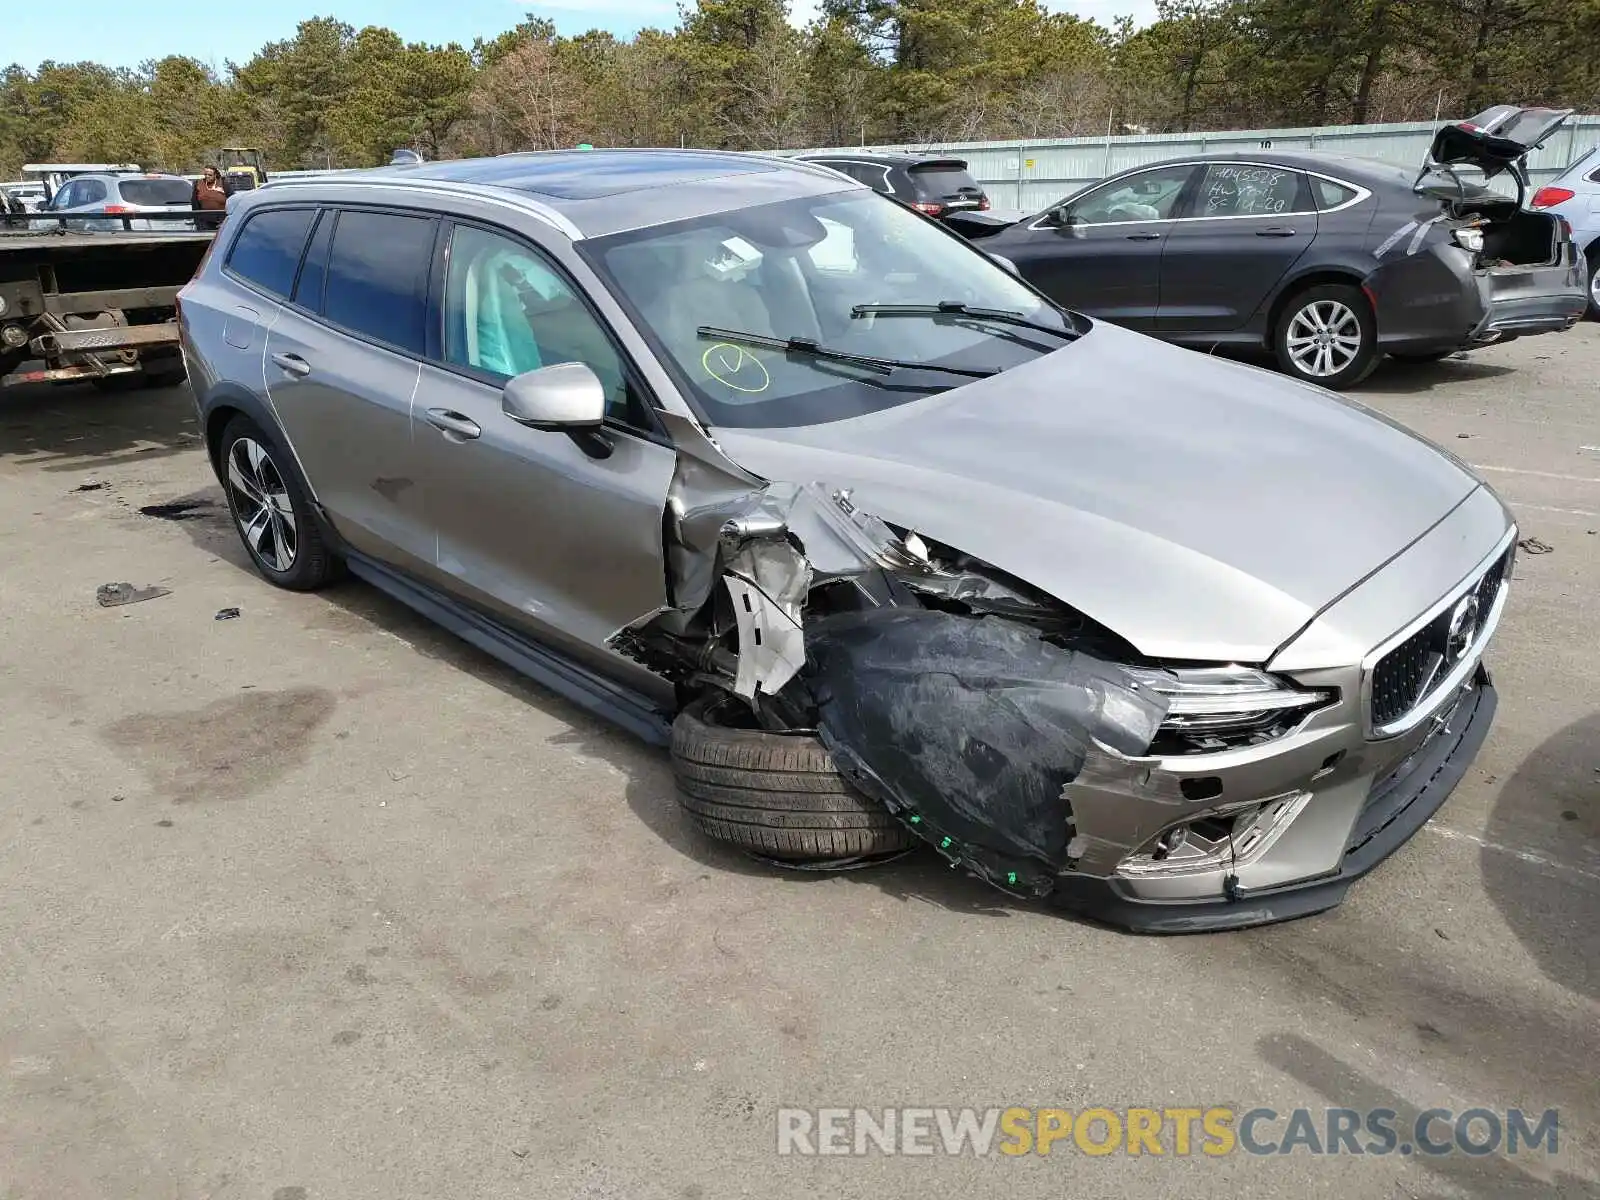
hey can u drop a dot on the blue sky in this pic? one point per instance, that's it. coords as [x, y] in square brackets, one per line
[217, 30]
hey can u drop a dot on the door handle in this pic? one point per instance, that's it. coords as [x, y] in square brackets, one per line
[292, 364]
[1143, 237]
[1275, 231]
[453, 424]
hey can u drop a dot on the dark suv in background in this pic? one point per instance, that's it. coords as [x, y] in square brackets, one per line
[931, 185]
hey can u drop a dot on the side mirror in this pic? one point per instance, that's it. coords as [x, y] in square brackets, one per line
[565, 397]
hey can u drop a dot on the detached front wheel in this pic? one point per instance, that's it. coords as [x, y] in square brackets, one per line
[1327, 336]
[775, 795]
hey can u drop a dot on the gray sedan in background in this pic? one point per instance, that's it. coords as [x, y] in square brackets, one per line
[1327, 261]
[755, 461]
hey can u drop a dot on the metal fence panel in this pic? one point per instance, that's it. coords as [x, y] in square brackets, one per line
[1034, 174]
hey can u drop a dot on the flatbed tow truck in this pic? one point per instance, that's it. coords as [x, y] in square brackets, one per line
[95, 307]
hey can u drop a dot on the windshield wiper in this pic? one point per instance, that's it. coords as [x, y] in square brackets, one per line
[813, 349]
[955, 308]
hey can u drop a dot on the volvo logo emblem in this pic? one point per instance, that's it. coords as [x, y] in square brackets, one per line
[1463, 628]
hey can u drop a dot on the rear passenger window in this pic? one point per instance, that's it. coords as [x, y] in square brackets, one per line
[267, 250]
[1247, 190]
[1331, 194]
[378, 277]
[308, 291]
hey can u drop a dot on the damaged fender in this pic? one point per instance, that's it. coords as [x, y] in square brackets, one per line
[770, 546]
[969, 728]
[969, 725]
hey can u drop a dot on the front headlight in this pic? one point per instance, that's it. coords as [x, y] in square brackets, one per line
[1219, 708]
[1468, 239]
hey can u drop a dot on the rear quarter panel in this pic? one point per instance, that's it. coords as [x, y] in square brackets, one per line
[1421, 283]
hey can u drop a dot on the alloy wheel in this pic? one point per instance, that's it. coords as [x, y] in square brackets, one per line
[1594, 287]
[261, 505]
[1324, 338]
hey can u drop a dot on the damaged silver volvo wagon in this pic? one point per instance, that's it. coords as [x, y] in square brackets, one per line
[758, 463]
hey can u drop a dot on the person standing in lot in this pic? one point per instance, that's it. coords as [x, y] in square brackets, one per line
[209, 199]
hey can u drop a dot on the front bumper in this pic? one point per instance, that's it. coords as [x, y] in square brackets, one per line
[1398, 805]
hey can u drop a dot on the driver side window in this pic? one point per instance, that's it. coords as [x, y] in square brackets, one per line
[1147, 196]
[507, 311]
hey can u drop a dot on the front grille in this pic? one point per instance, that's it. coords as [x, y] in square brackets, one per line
[1403, 677]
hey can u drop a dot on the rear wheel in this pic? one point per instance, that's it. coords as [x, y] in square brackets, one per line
[1594, 282]
[275, 520]
[1326, 335]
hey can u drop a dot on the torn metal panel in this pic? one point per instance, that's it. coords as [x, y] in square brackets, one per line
[969, 728]
[979, 592]
[769, 544]
[1119, 804]
[693, 442]
[838, 539]
[768, 582]
[701, 499]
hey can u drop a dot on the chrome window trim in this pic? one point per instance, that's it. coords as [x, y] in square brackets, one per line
[1361, 193]
[856, 162]
[1459, 674]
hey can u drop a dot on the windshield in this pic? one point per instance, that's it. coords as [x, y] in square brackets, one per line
[154, 191]
[799, 269]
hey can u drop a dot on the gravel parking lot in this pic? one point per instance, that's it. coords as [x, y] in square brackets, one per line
[320, 903]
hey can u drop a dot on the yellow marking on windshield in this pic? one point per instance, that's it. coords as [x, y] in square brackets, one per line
[725, 362]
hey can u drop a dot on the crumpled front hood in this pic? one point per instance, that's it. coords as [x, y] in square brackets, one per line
[1200, 508]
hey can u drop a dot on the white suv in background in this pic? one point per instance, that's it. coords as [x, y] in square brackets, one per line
[1575, 195]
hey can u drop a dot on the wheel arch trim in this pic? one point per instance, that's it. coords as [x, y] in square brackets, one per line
[1303, 277]
[220, 405]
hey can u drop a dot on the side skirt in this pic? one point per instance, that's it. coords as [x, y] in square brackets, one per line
[570, 680]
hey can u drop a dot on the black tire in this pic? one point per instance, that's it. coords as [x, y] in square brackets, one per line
[1594, 282]
[310, 563]
[164, 372]
[777, 795]
[1364, 355]
[1431, 356]
[127, 381]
